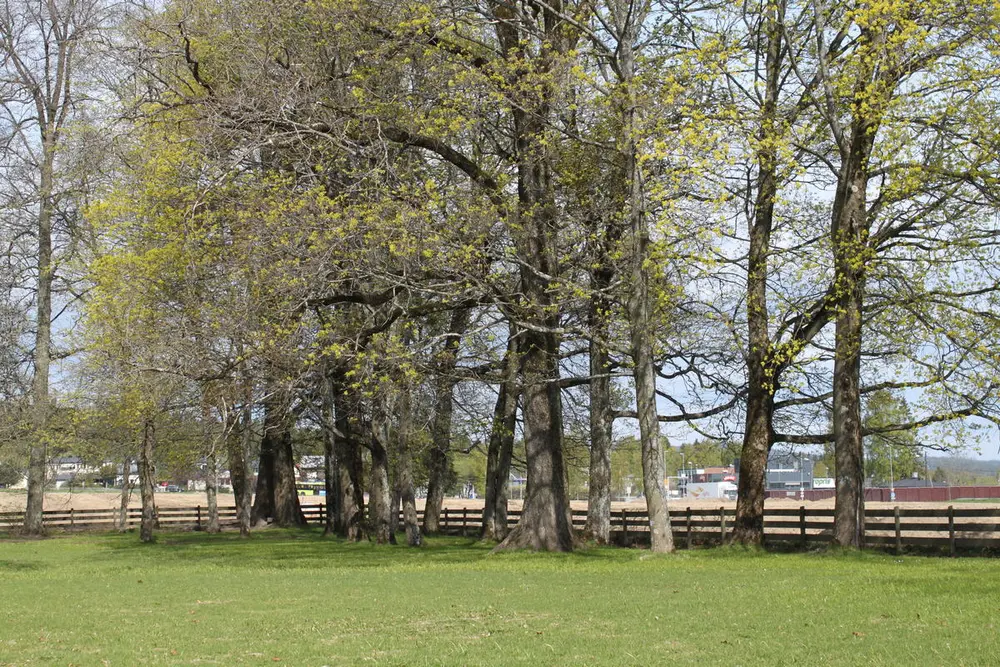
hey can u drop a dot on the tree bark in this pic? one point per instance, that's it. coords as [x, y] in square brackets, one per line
[500, 449]
[212, 488]
[331, 466]
[545, 518]
[42, 356]
[639, 302]
[352, 500]
[276, 496]
[439, 454]
[121, 523]
[762, 373]
[379, 493]
[850, 245]
[849, 239]
[601, 417]
[238, 445]
[146, 481]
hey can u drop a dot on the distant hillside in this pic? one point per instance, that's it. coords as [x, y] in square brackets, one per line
[959, 470]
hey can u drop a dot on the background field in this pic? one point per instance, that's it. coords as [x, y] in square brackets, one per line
[300, 599]
[15, 500]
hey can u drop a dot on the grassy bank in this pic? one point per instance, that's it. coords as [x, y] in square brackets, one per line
[299, 599]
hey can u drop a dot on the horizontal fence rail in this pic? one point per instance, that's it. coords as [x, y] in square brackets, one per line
[948, 528]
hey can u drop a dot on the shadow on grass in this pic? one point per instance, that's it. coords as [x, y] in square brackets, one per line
[274, 548]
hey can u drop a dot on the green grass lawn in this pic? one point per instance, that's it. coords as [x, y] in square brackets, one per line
[299, 599]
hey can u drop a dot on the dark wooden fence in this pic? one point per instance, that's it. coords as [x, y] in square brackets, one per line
[949, 529]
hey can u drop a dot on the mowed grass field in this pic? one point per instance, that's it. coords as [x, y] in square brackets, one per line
[299, 599]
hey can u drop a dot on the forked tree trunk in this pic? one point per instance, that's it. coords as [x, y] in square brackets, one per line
[500, 449]
[146, 481]
[545, 522]
[287, 508]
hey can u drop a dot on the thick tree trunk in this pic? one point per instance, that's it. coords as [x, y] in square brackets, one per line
[850, 235]
[121, 521]
[501, 448]
[545, 518]
[762, 379]
[263, 499]
[849, 239]
[276, 496]
[41, 358]
[146, 481]
[439, 455]
[379, 492]
[287, 508]
[352, 500]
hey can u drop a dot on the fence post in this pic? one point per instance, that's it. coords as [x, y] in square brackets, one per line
[722, 524]
[198, 518]
[688, 526]
[899, 534]
[951, 529]
[802, 526]
[464, 520]
[444, 521]
[72, 522]
[624, 527]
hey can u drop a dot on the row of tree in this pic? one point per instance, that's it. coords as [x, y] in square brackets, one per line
[741, 219]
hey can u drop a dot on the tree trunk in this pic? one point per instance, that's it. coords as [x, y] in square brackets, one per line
[439, 455]
[238, 446]
[501, 447]
[545, 519]
[850, 234]
[849, 239]
[640, 305]
[287, 508]
[122, 518]
[762, 373]
[42, 356]
[379, 493]
[146, 481]
[263, 499]
[352, 500]
[601, 423]
[331, 467]
[212, 488]
[408, 499]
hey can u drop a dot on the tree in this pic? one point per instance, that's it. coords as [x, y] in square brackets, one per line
[43, 45]
[890, 455]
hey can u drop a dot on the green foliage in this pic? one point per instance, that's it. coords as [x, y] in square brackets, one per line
[892, 455]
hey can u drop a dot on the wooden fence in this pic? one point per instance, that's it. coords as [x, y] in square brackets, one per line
[948, 529]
